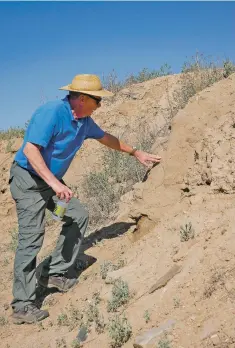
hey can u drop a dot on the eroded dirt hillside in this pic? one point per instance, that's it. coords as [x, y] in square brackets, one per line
[173, 240]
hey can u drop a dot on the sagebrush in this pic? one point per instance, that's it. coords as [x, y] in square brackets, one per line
[119, 330]
[120, 295]
[120, 172]
[12, 132]
[112, 83]
[108, 266]
[198, 73]
[73, 318]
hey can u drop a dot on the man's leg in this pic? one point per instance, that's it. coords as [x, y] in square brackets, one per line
[68, 245]
[30, 205]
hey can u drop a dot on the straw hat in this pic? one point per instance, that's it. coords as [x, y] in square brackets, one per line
[88, 84]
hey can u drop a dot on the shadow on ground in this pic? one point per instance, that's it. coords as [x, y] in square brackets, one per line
[108, 232]
[84, 261]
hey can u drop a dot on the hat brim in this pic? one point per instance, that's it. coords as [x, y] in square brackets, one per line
[101, 93]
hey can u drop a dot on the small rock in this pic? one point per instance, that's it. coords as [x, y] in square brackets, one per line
[210, 327]
[215, 340]
[165, 279]
[148, 339]
[6, 306]
[82, 334]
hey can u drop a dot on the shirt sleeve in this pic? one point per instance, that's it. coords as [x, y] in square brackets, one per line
[41, 127]
[93, 130]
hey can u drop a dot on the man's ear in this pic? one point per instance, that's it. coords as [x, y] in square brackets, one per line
[82, 98]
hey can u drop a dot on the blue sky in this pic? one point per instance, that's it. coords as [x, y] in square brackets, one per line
[44, 44]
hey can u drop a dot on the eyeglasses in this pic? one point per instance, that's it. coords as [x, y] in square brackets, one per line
[98, 100]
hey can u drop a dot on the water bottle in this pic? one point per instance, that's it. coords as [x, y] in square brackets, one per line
[59, 210]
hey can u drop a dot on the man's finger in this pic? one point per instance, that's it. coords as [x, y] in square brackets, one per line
[155, 157]
[61, 195]
[153, 160]
[67, 196]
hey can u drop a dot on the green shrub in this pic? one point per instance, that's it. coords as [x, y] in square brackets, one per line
[73, 318]
[176, 302]
[119, 331]
[92, 313]
[3, 321]
[103, 189]
[108, 266]
[12, 132]
[75, 344]
[112, 83]
[120, 295]
[229, 68]
[93, 316]
[96, 297]
[14, 239]
[198, 73]
[146, 316]
[186, 232]
[9, 146]
[164, 343]
[63, 320]
[146, 74]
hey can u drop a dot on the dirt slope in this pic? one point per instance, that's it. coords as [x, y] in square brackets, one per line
[193, 184]
[133, 111]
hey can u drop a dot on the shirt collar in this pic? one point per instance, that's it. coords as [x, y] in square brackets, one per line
[66, 101]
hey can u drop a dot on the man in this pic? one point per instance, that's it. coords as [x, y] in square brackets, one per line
[55, 133]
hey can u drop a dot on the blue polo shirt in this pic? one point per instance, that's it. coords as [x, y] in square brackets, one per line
[54, 128]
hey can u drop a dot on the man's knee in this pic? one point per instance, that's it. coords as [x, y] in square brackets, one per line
[81, 218]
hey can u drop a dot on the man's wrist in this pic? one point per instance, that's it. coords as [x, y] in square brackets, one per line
[52, 181]
[132, 153]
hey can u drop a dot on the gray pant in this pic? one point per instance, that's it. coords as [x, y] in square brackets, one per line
[32, 196]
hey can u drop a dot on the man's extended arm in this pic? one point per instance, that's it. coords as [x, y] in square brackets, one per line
[114, 143]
